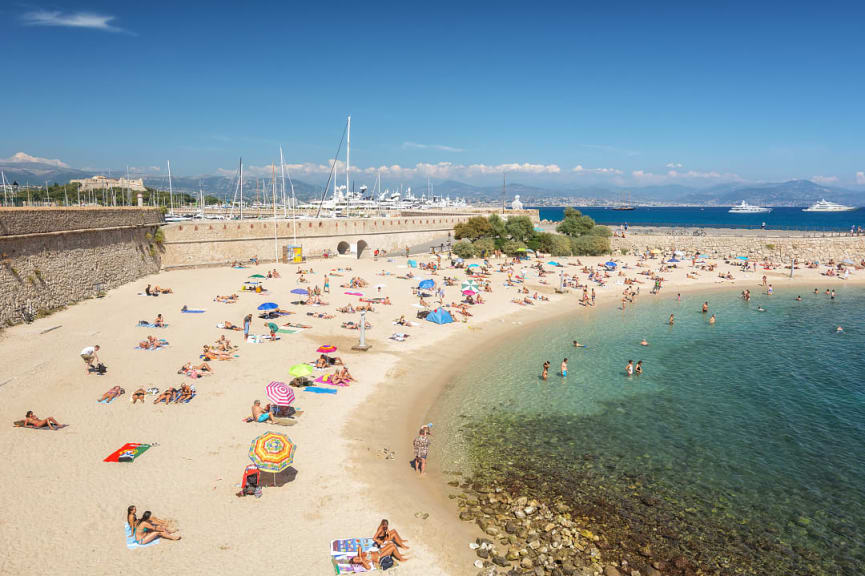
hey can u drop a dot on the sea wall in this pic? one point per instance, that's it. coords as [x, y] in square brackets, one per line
[53, 257]
[779, 246]
[210, 242]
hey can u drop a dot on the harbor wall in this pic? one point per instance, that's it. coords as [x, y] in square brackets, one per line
[53, 257]
[214, 242]
[778, 246]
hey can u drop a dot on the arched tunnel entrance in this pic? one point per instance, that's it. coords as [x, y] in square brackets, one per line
[361, 246]
[342, 247]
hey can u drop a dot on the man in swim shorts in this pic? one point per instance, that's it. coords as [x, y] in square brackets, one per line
[565, 367]
[260, 414]
[89, 356]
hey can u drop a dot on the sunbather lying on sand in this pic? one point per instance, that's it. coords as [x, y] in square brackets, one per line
[294, 325]
[189, 366]
[368, 559]
[168, 396]
[159, 322]
[229, 326]
[132, 520]
[185, 393]
[112, 394]
[341, 378]
[158, 290]
[347, 309]
[31, 420]
[211, 354]
[383, 535]
[226, 299]
[152, 343]
[324, 361]
[352, 325]
[138, 395]
[224, 344]
[320, 315]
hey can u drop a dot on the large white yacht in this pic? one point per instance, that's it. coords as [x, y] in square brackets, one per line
[824, 206]
[745, 208]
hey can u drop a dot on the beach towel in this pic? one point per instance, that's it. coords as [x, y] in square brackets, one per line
[20, 424]
[287, 331]
[143, 324]
[132, 544]
[107, 400]
[399, 336]
[319, 390]
[326, 380]
[343, 565]
[194, 311]
[127, 453]
[354, 293]
[188, 400]
[344, 546]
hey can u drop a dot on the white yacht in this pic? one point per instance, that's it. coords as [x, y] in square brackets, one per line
[745, 208]
[824, 206]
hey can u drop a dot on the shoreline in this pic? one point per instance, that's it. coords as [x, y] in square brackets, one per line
[412, 408]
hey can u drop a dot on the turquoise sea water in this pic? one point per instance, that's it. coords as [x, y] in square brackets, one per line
[742, 445]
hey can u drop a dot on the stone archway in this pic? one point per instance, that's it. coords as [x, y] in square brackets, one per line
[343, 247]
[361, 246]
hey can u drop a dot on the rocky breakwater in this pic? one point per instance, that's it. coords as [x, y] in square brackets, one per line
[526, 535]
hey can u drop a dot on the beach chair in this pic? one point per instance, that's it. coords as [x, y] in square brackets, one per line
[251, 480]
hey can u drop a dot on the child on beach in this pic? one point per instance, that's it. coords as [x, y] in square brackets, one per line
[546, 370]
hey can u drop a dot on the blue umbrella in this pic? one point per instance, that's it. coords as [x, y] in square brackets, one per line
[473, 266]
[611, 264]
[268, 306]
[426, 285]
[741, 257]
[553, 263]
[673, 260]
[300, 291]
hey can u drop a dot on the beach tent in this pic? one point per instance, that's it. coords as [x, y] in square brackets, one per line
[440, 316]
[412, 264]
[426, 285]
[553, 263]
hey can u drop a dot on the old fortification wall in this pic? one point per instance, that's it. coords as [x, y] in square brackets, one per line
[779, 246]
[52, 257]
[205, 242]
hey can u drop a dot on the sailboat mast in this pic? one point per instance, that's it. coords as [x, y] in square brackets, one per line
[282, 172]
[170, 190]
[241, 188]
[347, 153]
[273, 189]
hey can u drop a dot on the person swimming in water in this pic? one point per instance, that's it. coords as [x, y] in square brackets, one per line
[705, 307]
[671, 320]
[546, 370]
[565, 367]
[578, 345]
[638, 369]
[760, 309]
[712, 319]
[798, 298]
[839, 329]
[629, 369]
[644, 342]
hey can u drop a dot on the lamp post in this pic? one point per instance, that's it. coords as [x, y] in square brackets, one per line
[361, 344]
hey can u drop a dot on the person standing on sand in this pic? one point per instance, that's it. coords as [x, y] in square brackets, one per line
[593, 296]
[546, 370]
[564, 367]
[326, 284]
[89, 356]
[421, 449]
[247, 324]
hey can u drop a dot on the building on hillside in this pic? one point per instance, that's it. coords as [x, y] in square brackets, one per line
[104, 183]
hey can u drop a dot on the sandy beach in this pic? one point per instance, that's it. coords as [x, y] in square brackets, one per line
[64, 508]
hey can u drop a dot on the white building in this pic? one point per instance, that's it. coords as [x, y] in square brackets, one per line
[104, 183]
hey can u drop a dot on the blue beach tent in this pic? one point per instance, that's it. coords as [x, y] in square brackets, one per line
[412, 264]
[440, 316]
[426, 284]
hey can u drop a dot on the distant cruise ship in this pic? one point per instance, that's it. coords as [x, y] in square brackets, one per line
[745, 208]
[824, 206]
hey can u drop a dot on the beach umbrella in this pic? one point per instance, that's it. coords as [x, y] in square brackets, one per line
[272, 452]
[673, 260]
[469, 285]
[300, 370]
[553, 263]
[279, 393]
[473, 266]
[468, 292]
[268, 306]
[610, 264]
[300, 291]
[412, 263]
[257, 276]
[847, 261]
[678, 253]
[426, 284]
[273, 326]
[326, 349]
[741, 257]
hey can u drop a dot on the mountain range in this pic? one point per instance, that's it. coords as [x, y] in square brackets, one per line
[25, 169]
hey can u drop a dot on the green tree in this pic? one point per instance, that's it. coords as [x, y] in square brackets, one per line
[560, 245]
[574, 226]
[484, 246]
[498, 226]
[520, 228]
[545, 241]
[464, 249]
[473, 228]
[590, 245]
[513, 247]
[601, 231]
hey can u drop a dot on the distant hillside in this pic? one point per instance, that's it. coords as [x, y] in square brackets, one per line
[792, 193]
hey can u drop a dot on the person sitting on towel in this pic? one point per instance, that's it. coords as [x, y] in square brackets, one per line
[368, 559]
[384, 534]
[260, 414]
[185, 393]
[31, 420]
[132, 520]
[145, 532]
[159, 322]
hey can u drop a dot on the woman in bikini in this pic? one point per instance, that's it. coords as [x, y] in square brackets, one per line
[138, 395]
[368, 559]
[31, 420]
[384, 534]
[112, 394]
[132, 520]
[145, 531]
[167, 396]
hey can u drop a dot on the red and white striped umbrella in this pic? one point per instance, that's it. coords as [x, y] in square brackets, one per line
[279, 393]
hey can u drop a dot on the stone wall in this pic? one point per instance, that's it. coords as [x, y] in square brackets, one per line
[774, 245]
[52, 257]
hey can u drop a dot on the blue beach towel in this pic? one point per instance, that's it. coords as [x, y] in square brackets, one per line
[319, 390]
[150, 325]
[130, 541]
[194, 311]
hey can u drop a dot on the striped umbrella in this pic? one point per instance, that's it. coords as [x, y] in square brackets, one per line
[279, 393]
[470, 285]
[326, 349]
[272, 452]
[300, 370]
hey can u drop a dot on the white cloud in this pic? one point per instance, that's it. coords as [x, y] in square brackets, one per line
[860, 177]
[439, 147]
[70, 20]
[579, 169]
[653, 178]
[23, 158]
[442, 170]
[674, 165]
[144, 169]
[824, 179]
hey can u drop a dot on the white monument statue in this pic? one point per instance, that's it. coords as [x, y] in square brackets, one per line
[516, 204]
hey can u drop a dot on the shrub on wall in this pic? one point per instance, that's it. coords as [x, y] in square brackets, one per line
[464, 249]
[484, 246]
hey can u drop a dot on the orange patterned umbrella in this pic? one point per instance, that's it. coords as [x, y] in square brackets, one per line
[272, 452]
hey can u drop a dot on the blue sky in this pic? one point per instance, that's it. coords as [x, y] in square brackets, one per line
[571, 93]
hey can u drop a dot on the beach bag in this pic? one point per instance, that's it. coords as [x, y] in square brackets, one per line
[386, 563]
[101, 369]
